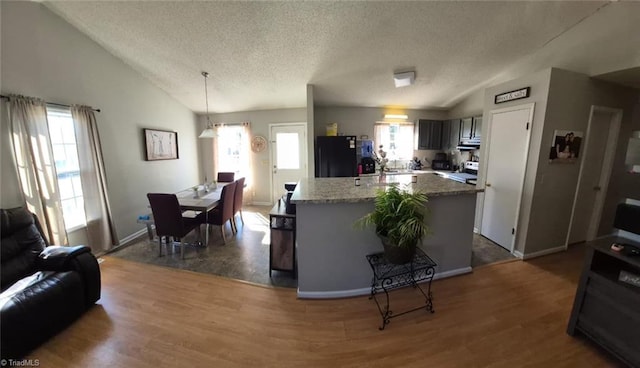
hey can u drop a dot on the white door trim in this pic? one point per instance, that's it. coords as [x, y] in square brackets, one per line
[305, 159]
[485, 166]
[605, 174]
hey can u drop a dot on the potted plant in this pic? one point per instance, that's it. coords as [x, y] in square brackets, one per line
[398, 218]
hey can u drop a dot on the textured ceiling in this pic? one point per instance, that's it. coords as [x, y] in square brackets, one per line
[261, 55]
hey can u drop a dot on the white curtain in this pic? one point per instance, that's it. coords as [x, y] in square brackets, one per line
[397, 139]
[100, 229]
[35, 164]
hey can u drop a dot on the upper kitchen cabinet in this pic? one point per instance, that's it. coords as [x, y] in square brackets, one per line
[429, 135]
[450, 134]
[471, 128]
[477, 126]
[466, 128]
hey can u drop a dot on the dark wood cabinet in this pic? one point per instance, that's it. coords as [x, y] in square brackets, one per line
[429, 136]
[606, 309]
[282, 248]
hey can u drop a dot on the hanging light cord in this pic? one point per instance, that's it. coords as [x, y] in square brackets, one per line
[206, 96]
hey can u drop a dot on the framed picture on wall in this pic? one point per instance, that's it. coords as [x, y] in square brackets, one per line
[565, 147]
[161, 144]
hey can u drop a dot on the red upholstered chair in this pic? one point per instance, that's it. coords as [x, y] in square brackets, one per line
[223, 212]
[237, 202]
[168, 219]
[226, 177]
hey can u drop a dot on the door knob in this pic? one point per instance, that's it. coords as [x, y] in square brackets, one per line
[487, 185]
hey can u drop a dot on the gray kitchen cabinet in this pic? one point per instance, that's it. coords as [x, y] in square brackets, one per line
[446, 135]
[466, 128]
[429, 134]
[454, 133]
[477, 126]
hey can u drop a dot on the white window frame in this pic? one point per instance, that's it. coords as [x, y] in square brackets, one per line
[78, 196]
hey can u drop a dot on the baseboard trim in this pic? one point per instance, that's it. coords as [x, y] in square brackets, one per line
[476, 230]
[262, 203]
[366, 291]
[543, 252]
[518, 254]
[132, 237]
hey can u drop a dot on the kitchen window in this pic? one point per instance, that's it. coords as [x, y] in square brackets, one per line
[65, 155]
[396, 138]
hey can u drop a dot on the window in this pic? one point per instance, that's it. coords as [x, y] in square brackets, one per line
[65, 155]
[233, 150]
[397, 140]
[288, 155]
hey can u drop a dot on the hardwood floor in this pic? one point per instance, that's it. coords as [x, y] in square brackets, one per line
[506, 315]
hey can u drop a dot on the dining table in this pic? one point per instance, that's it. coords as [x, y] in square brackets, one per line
[199, 199]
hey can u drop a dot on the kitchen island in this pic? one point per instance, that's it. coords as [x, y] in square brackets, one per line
[331, 252]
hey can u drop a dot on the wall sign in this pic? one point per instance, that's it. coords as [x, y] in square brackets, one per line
[513, 95]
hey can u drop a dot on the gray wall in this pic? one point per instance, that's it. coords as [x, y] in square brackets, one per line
[563, 101]
[260, 192]
[360, 120]
[622, 184]
[43, 56]
[571, 96]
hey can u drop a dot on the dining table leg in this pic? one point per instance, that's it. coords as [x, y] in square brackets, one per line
[206, 228]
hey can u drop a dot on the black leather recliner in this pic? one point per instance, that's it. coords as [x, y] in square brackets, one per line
[44, 288]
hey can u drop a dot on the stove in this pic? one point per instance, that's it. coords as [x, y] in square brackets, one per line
[468, 176]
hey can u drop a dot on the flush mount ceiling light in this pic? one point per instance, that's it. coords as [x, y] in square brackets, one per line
[404, 79]
[396, 116]
[208, 132]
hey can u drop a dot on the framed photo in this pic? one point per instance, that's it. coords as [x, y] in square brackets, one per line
[161, 144]
[565, 147]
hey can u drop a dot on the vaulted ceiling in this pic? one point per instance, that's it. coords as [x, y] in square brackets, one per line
[261, 55]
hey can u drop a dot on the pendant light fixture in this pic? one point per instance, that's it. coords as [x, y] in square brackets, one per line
[208, 132]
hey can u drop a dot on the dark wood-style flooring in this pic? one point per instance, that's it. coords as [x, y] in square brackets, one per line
[505, 315]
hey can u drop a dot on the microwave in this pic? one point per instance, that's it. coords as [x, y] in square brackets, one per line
[441, 165]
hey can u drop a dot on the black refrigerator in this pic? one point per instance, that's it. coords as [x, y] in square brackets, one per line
[336, 156]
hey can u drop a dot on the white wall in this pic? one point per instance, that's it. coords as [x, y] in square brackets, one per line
[260, 192]
[43, 56]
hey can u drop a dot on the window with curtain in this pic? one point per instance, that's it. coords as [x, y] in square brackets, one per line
[65, 155]
[397, 139]
[233, 150]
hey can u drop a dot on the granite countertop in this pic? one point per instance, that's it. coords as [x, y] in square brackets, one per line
[344, 190]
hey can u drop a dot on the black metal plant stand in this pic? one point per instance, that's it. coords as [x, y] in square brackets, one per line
[388, 276]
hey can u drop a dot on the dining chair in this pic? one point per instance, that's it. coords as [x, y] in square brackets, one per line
[169, 221]
[223, 212]
[226, 177]
[237, 202]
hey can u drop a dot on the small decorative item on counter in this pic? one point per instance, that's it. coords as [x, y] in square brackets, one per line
[357, 182]
[414, 178]
[381, 159]
[415, 164]
[195, 192]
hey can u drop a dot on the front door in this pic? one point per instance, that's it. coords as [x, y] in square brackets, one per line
[506, 163]
[288, 155]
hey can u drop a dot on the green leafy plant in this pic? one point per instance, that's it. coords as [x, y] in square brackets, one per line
[398, 216]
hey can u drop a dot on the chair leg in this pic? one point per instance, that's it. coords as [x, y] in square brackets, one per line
[242, 219]
[181, 249]
[224, 239]
[160, 246]
[232, 221]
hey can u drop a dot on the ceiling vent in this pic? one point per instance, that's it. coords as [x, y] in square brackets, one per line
[404, 79]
